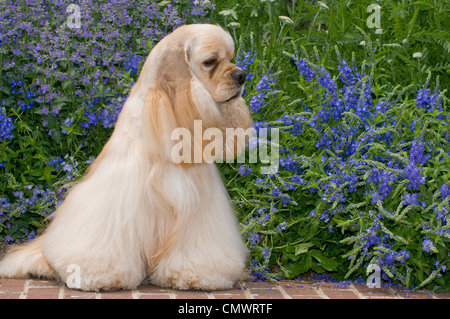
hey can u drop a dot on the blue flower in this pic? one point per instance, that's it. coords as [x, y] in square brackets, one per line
[291, 163]
[402, 256]
[416, 153]
[305, 69]
[131, 63]
[264, 89]
[253, 239]
[68, 123]
[374, 175]
[244, 170]
[385, 182]
[294, 123]
[371, 237]
[412, 173]
[266, 253]
[244, 62]
[108, 115]
[327, 82]
[9, 239]
[55, 162]
[281, 227]
[376, 197]
[260, 183]
[277, 194]
[324, 217]
[347, 74]
[445, 190]
[411, 199]
[263, 217]
[297, 179]
[6, 126]
[428, 246]
[382, 106]
[425, 100]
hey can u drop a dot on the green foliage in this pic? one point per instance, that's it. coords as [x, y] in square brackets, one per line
[325, 210]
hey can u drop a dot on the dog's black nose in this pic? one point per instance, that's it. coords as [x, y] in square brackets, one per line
[239, 76]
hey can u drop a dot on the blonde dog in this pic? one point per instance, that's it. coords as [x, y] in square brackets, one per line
[136, 213]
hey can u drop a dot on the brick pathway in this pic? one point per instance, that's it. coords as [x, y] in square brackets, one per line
[41, 289]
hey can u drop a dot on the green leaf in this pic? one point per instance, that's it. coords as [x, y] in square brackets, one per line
[302, 248]
[297, 268]
[56, 136]
[326, 262]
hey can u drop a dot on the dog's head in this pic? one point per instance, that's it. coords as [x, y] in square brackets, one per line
[209, 57]
[189, 76]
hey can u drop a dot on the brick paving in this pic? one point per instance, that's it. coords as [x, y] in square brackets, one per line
[42, 289]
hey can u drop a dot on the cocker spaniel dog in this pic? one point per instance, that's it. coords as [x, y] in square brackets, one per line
[139, 214]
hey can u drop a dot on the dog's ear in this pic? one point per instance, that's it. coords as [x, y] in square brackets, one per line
[168, 106]
[237, 117]
[159, 120]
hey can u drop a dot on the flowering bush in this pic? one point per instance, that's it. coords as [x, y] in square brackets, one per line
[364, 170]
[363, 179]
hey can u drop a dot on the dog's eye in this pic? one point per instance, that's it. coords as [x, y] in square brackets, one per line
[210, 63]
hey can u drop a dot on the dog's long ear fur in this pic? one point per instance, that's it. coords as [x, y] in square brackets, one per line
[159, 120]
[236, 116]
[168, 103]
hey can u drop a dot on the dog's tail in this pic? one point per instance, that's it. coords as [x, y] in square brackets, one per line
[25, 260]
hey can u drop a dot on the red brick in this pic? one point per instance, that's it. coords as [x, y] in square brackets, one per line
[229, 294]
[269, 293]
[421, 294]
[78, 294]
[300, 290]
[43, 283]
[12, 285]
[154, 296]
[260, 284]
[119, 294]
[152, 292]
[9, 295]
[414, 295]
[43, 293]
[340, 294]
[332, 291]
[190, 294]
[151, 289]
[374, 293]
[442, 295]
